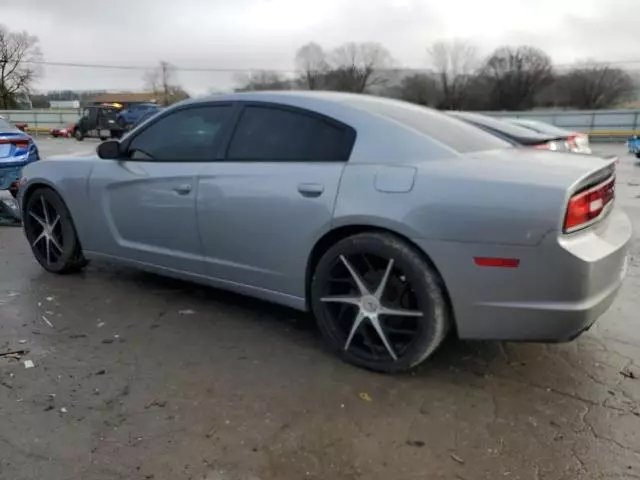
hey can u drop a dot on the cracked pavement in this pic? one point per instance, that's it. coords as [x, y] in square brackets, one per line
[139, 377]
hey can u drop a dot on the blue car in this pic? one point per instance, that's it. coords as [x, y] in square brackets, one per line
[133, 114]
[633, 144]
[17, 149]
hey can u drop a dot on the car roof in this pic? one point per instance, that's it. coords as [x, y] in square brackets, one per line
[539, 126]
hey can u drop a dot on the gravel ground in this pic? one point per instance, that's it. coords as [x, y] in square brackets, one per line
[139, 377]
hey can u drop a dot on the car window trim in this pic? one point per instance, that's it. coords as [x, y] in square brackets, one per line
[215, 147]
[349, 133]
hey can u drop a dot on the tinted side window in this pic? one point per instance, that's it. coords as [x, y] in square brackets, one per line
[184, 136]
[274, 134]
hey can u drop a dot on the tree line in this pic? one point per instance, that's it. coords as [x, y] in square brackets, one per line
[458, 76]
[510, 78]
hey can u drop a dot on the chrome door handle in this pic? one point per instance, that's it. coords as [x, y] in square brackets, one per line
[311, 189]
[182, 189]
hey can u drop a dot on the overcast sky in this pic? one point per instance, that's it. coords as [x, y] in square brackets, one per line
[266, 33]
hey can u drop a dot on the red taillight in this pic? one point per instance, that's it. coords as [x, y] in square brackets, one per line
[586, 206]
[543, 146]
[18, 142]
[571, 141]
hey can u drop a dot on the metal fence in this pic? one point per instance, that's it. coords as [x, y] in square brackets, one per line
[41, 121]
[603, 124]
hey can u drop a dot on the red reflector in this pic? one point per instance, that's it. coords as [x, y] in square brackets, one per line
[587, 206]
[542, 146]
[497, 262]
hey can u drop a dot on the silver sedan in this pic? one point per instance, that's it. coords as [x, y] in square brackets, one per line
[392, 223]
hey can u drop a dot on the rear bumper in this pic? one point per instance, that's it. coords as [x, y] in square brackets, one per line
[562, 286]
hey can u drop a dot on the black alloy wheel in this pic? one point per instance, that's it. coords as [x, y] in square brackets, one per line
[51, 234]
[379, 303]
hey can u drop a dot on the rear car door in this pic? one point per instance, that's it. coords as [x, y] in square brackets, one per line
[265, 203]
[145, 203]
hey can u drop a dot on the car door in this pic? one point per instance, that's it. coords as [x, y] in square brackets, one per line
[144, 204]
[263, 206]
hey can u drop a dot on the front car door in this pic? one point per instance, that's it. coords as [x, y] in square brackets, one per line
[144, 204]
[262, 207]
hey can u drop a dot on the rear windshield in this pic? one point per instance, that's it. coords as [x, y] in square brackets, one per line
[457, 135]
[509, 129]
[541, 127]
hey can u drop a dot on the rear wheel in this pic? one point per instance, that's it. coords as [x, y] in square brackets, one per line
[51, 233]
[379, 304]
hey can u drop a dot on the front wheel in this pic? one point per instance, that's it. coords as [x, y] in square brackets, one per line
[79, 135]
[379, 303]
[51, 233]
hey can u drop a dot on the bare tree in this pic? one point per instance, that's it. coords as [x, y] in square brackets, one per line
[357, 66]
[455, 64]
[517, 75]
[262, 80]
[18, 52]
[593, 87]
[162, 82]
[419, 88]
[312, 65]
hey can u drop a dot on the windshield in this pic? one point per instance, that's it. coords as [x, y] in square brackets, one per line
[459, 136]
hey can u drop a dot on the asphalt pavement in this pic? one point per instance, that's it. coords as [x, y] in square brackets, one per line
[138, 377]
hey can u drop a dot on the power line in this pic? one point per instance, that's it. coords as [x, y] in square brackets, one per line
[143, 68]
[278, 70]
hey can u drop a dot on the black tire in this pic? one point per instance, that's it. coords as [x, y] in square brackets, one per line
[78, 135]
[410, 271]
[103, 139]
[69, 258]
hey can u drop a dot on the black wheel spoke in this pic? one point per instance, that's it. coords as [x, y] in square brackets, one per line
[371, 306]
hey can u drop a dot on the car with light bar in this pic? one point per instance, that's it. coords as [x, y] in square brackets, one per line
[392, 223]
[99, 121]
[578, 142]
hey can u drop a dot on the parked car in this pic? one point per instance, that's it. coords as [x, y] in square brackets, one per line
[146, 115]
[633, 144]
[17, 149]
[515, 134]
[65, 132]
[132, 114]
[393, 223]
[578, 141]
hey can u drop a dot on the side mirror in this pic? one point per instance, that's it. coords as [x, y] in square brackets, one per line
[109, 150]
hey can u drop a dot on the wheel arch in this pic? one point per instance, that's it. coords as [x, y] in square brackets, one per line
[339, 233]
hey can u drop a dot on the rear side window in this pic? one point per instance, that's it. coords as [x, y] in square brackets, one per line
[455, 134]
[267, 133]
